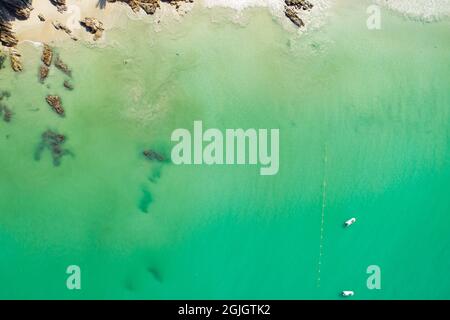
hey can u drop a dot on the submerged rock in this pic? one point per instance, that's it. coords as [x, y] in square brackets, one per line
[2, 60]
[16, 63]
[47, 55]
[55, 103]
[153, 155]
[52, 141]
[94, 26]
[62, 66]
[7, 113]
[68, 85]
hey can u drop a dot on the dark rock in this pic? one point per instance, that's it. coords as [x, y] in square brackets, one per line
[47, 55]
[94, 26]
[60, 5]
[43, 73]
[16, 63]
[292, 15]
[55, 103]
[153, 155]
[62, 66]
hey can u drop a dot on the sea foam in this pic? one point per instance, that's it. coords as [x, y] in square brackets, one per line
[313, 18]
[426, 10]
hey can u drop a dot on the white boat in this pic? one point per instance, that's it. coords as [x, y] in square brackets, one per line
[347, 293]
[349, 222]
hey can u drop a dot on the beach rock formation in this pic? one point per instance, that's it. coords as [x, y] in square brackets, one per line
[15, 9]
[43, 73]
[7, 36]
[94, 26]
[150, 6]
[59, 64]
[60, 5]
[153, 155]
[59, 26]
[299, 4]
[54, 142]
[292, 15]
[16, 63]
[55, 103]
[292, 9]
[47, 55]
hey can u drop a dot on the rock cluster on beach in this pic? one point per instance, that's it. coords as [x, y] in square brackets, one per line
[294, 7]
[150, 6]
[10, 10]
[60, 5]
[94, 26]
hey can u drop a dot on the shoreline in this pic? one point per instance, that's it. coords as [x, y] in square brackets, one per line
[35, 30]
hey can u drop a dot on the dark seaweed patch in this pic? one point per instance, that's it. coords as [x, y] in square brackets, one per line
[145, 201]
[53, 142]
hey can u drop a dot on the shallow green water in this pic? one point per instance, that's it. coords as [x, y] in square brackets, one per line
[363, 113]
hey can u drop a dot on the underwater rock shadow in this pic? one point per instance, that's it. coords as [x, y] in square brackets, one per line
[52, 141]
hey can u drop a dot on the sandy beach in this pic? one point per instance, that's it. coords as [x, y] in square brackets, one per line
[35, 30]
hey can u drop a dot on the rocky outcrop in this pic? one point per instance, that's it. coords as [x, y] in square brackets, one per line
[94, 26]
[293, 8]
[43, 73]
[59, 26]
[60, 5]
[41, 17]
[292, 15]
[62, 66]
[7, 36]
[55, 103]
[299, 4]
[47, 55]
[150, 6]
[16, 63]
[15, 9]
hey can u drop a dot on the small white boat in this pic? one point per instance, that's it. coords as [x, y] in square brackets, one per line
[347, 293]
[349, 222]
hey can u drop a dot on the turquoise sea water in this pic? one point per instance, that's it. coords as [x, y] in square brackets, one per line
[364, 131]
